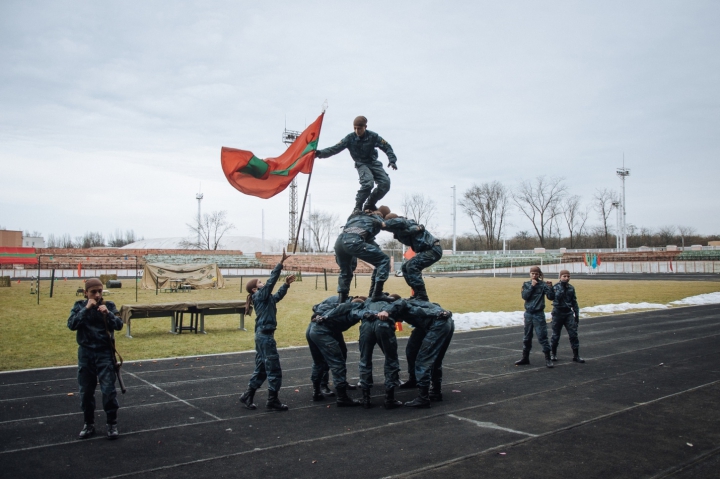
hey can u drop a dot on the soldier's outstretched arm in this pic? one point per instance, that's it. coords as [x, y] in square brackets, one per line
[333, 150]
[385, 146]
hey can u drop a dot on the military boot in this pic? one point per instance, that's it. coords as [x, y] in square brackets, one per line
[367, 399]
[409, 384]
[422, 401]
[378, 292]
[553, 354]
[576, 356]
[112, 430]
[525, 359]
[87, 431]
[420, 293]
[435, 391]
[343, 400]
[548, 361]
[248, 399]
[326, 391]
[342, 297]
[273, 403]
[317, 393]
[390, 402]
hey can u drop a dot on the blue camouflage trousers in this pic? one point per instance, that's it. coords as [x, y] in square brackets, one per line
[369, 175]
[381, 333]
[568, 320]
[267, 363]
[412, 269]
[537, 322]
[349, 246]
[328, 354]
[94, 365]
[412, 349]
[428, 364]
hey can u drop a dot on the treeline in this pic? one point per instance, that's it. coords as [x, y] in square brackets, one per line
[90, 239]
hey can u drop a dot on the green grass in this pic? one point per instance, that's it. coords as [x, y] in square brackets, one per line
[35, 335]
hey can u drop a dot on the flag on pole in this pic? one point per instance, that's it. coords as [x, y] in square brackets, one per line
[79, 270]
[266, 178]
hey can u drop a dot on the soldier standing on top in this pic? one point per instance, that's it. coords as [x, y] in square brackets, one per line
[362, 145]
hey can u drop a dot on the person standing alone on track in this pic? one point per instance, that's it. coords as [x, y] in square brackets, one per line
[565, 313]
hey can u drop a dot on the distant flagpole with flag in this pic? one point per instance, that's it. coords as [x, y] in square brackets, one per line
[266, 178]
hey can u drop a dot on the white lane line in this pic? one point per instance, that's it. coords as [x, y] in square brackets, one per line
[174, 397]
[395, 424]
[491, 425]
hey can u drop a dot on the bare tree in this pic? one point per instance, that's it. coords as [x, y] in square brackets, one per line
[666, 234]
[604, 202]
[32, 234]
[210, 230]
[323, 227]
[65, 241]
[120, 239]
[418, 207]
[572, 214]
[90, 240]
[487, 205]
[538, 200]
[686, 231]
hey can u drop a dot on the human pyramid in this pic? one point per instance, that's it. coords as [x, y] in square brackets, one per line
[95, 320]
[377, 313]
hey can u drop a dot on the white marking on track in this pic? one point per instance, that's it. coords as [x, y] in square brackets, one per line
[491, 425]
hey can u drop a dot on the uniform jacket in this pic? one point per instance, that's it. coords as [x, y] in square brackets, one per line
[266, 303]
[90, 325]
[420, 314]
[409, 233]
[565, 298]
[534, 296]
[362, 149]
[367, 226]
[342, 317]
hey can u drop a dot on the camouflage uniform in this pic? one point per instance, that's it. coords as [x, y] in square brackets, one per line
[374, 331]
[363, 151]
[267, 359]
[534, 297]
[95, 357]
[565, 313]
[426, 247]
[357, 241]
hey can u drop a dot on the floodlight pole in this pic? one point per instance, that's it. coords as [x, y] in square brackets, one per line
[454, 215]
[623, 173]
[199, 198]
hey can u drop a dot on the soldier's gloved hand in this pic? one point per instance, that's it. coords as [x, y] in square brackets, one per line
[421, 227]
[445, 315]
[370, 316]
[577, 318]
[392, 165]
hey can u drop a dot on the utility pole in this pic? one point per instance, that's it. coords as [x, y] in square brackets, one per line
[623, 173]
[454, 215]
[618, 225]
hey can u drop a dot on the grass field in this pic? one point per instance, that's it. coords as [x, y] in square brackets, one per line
[33, 335]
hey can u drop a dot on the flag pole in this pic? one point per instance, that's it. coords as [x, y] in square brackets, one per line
[302, 211]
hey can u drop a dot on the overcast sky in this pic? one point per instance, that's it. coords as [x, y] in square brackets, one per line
[113, 113]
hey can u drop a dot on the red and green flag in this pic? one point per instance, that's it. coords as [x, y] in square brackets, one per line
[266, 178]
[10, 255]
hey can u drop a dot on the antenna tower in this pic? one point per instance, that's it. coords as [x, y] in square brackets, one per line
[199, 198]
[288, 137]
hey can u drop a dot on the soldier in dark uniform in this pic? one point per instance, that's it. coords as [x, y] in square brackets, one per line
[565, 313]
[378, 327]
[267, 359]
[534, 293]
[95, 321]
[325, 338]
[426, 247]
[434, 327]
[357, 241]
[362, 146]
[320, 309]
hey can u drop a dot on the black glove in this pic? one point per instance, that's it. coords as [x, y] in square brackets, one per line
[370, 316]
[392, 165]
[577, 318]
[421, 227]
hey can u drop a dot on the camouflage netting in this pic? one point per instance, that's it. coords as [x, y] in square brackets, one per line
[170, 276]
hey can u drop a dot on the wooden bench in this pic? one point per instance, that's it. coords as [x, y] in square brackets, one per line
[175, 311]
